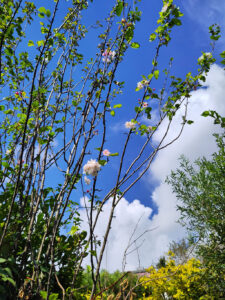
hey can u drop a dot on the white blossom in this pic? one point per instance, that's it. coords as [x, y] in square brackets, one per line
[130, 125]
[92, 167]
[205, 55]
[140, 85]
[87, 180]
[165, 7]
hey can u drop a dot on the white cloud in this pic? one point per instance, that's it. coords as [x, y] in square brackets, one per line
[196, 140]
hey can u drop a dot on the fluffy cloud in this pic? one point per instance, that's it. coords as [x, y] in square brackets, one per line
[196, 140]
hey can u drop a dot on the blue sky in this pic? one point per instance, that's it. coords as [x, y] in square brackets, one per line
[150, 202]
[187, 43]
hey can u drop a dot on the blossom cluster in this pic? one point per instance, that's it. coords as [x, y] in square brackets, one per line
[206, 55]
[108, 56]
[91, 168]
[142, 84]
[130, 125]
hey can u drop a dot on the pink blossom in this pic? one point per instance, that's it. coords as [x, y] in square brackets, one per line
[92, 167]
[145, 104]
[130, 125]
[108, 56]
[106, 152]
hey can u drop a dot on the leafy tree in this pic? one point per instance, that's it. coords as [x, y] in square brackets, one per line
[181, 250]
[200, 189]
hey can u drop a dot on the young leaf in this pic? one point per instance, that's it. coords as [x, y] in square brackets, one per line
[114, 154]
[117, 105]
[135, 45]
[30, 43]
[156, 74]
[119, 8]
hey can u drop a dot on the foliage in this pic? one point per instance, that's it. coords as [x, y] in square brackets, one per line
[200, 189]
[181, 250]
[182, 281]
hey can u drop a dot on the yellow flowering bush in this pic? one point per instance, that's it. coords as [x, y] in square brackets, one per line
[183, 281]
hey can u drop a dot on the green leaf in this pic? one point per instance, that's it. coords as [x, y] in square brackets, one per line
[114, 154]
[152, 37]
[10, 280]
[222, 54]
[119, 8]
[112, 113]
[117, 105]
[51, 134]
[73, 230]
[40, 43]
[102, 162]
[59, 130]
[8, 51]
[2, 260]
[135, 45]
[48, 13]
[2, 107]
[53, 297]
[42, 10]
[205, 113]
[6, 165]
[30, 43]
[43, 294]
[129, 34]
[150, 76]
[156, 74]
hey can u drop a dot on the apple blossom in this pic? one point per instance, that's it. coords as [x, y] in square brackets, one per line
[130, 125]
[144, 104]
[87, 180]
[106, 152]
[142, 84]
[108, 56]
[207, 55]
[92, 167]
[165, 7]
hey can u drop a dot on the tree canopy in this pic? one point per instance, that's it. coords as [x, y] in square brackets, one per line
[200, 189]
